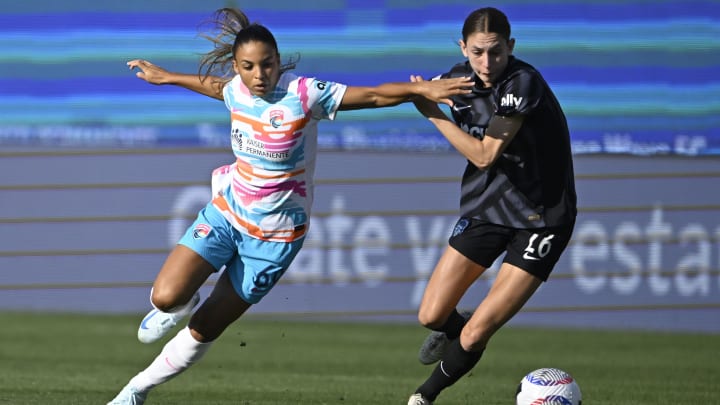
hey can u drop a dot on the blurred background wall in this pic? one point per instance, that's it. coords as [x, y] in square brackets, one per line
[101, 172]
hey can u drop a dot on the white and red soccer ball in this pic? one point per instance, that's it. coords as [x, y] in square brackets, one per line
[548, 386]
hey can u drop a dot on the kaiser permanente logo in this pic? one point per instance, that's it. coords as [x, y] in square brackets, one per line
[509, 100]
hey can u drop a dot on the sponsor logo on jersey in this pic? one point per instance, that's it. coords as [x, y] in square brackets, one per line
[201, 231]
[260, 149]
[236, 136]
[475, 130]
[509, 100]
[461, 108]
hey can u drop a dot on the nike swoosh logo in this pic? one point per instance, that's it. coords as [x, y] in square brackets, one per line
[147, 318]
[526, 256]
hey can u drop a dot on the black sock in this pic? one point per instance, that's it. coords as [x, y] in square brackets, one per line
[456, 362]
[453, 326]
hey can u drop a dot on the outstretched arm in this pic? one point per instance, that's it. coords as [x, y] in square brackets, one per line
[210, 86]
[480, 152]
[390, 94]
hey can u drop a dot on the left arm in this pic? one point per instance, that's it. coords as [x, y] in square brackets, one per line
[390, 94]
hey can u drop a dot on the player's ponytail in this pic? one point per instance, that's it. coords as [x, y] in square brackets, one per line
[229, 29]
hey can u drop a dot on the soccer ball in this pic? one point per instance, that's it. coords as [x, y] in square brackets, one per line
[548, 386]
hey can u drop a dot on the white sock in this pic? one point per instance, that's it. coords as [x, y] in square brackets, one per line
[179, 353]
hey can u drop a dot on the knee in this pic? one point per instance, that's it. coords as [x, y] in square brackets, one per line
[165, 300]
[197, 334]
[430, 320]
[475, 338]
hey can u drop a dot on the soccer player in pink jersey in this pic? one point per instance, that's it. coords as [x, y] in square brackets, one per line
[256, 222]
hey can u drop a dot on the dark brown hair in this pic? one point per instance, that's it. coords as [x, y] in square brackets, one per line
[231, 28]
[487, 20]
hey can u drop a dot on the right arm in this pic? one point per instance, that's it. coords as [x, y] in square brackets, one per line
[480, 152]
[210, 86]
[391, 94]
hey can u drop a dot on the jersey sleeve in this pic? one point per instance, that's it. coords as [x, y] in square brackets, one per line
[324, 97]
[519, 94]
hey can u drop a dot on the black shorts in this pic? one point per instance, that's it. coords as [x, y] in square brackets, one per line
[533, 250]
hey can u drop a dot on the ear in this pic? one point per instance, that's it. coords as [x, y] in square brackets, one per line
[235, 67]
[511, 45]
[463, 47]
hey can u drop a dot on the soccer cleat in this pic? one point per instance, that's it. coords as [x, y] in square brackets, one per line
[129, 396]
[418, 399]
[436, 343]
[433, 347]
[157, 324]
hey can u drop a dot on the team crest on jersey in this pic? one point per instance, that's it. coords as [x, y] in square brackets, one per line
[201, 231]
[460, 226]
[276, 118]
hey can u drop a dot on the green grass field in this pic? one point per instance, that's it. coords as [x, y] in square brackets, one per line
[78, 359]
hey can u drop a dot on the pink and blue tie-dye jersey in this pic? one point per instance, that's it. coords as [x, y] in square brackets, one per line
[268, 192]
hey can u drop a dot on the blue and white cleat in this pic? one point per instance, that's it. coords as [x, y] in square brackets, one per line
[129, 396]
[157, 324]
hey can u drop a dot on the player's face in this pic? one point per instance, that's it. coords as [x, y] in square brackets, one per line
[258, 65]
[488, 55]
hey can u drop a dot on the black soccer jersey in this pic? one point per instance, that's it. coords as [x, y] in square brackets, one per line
[532, 184]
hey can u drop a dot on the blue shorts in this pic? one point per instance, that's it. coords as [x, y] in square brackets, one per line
[254, 265]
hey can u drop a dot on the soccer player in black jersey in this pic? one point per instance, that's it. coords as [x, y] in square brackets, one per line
[517, 197]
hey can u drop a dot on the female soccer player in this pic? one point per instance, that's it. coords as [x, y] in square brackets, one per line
[258, 216]
[517, 197]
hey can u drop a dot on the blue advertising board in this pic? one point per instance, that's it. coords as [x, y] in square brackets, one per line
[88, 232]
[101, 172]
[634, 77]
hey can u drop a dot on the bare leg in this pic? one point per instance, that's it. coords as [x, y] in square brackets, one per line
[512, 288]
[223, 307]
[219, 310]
[182, 274]
[510, 291]
[452, 276]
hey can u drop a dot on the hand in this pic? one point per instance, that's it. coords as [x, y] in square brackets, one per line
[440, 90]
[149, 72]
[427, 107]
